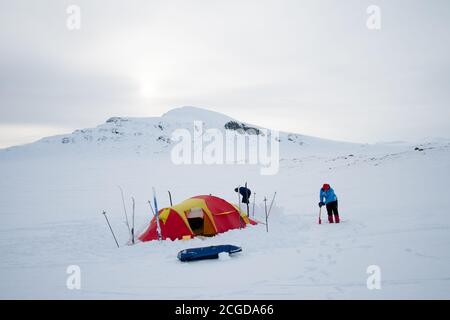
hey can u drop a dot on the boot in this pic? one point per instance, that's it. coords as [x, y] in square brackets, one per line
[336, 218]
[330, 218]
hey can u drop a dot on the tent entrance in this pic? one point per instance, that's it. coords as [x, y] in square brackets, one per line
[199, 222]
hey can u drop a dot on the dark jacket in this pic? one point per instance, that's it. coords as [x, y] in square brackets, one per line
[245, 192]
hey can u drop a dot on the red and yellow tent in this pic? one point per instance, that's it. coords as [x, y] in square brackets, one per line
[200, 215]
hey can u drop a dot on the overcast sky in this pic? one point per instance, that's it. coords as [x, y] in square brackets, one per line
[311, 67]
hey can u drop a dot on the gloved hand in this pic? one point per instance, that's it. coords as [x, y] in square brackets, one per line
[321, 204]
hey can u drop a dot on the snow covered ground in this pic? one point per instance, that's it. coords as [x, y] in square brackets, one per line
[392, 200]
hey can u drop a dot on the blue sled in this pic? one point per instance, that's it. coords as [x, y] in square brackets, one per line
[204, 253]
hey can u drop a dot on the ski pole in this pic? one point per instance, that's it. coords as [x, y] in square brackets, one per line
[112, 232]
[271, 203]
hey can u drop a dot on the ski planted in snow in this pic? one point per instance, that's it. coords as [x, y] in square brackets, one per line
[125, 211]
[158, 227]
[151, 208]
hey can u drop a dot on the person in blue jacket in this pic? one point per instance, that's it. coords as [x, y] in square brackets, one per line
[329, 199]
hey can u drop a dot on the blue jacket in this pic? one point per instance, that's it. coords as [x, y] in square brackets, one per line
[327, 196]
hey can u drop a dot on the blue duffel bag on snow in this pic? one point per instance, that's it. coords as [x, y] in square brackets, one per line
[204, 253]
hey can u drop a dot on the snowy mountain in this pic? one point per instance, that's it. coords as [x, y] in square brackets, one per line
[53, 191]
[153, 135]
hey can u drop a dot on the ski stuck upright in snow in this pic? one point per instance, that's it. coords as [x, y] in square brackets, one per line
[158, 227]
[125, 211]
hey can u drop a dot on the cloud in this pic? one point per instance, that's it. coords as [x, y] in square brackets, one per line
[39, 91]
[306, 66]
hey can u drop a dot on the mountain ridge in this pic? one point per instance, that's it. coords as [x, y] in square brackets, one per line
[154, 133]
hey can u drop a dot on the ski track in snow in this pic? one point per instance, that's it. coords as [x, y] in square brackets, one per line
[390, 198]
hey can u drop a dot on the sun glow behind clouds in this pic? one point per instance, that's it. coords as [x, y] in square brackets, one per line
[147, 88]
[145, 58]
